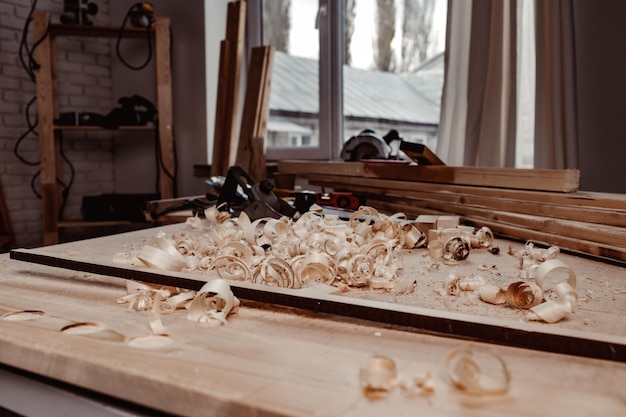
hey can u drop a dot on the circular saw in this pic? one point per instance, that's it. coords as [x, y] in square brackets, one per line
[368, 145]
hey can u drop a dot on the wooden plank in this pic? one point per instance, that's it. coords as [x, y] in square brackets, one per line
[601, 251]
[251, 148]
[223, 116]
[7, 238]
[611, 235]
[94, 256]
[574, 199]
[440, 322]
[231, 55]
[167, 154]
[268, 361]
[523, 179]
[604, 216]
[608, 242]
[258, 165]
[48, 151]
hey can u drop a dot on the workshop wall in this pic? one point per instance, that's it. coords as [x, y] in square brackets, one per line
[601, 89]
[189, 95]
[84, 75]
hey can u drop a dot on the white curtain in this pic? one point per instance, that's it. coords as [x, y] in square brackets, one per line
[477, 125]
[482, 87]
[451, 138]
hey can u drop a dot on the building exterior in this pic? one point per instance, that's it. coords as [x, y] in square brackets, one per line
[409, 103]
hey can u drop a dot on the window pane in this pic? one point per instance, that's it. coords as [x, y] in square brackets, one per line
[289, 26]
[393, 74]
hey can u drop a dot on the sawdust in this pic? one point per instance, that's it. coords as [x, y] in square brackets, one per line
[602, 299]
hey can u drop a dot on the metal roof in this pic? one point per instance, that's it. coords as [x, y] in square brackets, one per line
[367, 94]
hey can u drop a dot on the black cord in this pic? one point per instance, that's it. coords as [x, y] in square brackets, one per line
[119, 39]
[30, 64]
[33, 182]
[31, 129]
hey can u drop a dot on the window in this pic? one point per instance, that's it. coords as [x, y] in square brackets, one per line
[332, 79]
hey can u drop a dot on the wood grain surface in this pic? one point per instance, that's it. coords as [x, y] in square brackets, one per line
[268, 361]
[595, 330]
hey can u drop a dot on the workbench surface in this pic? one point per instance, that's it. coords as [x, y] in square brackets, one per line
[267, 360]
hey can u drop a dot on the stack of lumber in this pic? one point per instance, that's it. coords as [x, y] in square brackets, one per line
[542, 206]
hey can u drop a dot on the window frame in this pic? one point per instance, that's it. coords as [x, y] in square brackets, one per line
[330, 23]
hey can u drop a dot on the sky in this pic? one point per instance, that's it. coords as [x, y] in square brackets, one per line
[304, 42]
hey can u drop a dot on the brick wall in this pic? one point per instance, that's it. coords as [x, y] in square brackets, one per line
[84, 85]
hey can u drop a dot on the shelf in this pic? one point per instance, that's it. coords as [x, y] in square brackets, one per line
[99, 128]
[67, 224]
[47, 111]
[58, 29]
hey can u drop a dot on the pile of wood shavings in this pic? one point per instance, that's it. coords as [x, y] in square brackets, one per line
[364, 251]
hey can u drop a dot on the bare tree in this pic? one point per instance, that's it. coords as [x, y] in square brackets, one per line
[417, 23]
[385, 32]
[350, 10]
[276, 23]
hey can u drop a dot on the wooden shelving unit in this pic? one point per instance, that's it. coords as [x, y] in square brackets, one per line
[46, 33]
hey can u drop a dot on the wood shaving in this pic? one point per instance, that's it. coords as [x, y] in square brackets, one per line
[379, 376]
[213, 303]
[478, 373]
[363, 251]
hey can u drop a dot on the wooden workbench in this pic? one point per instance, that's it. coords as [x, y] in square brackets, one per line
[273, 360]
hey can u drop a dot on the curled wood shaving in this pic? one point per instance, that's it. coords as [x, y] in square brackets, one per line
[457, 248]
[483, 238]
[451, 286]
[212, 304]
[435, 249]
[365, 250]
[530, 255]
[379, 376]
[530, 294]
[484, 373]
[553, 311]
[552, 268]
[492, 294]
[158, 300]
[418, 385]
[524, 294]
[471, 283]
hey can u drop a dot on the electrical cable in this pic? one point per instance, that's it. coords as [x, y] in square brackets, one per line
[31, 129]
[30, 65]
[33, 182]
[121, 33]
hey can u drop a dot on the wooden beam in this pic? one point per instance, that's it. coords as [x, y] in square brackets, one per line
[48, 148]
[523, 179]
[231, 54]
[595, 215]
[7, 238]
[585, 236]
[167, 166]
[464, 326]
[579, 198]
[251, 147]
[601, 251]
